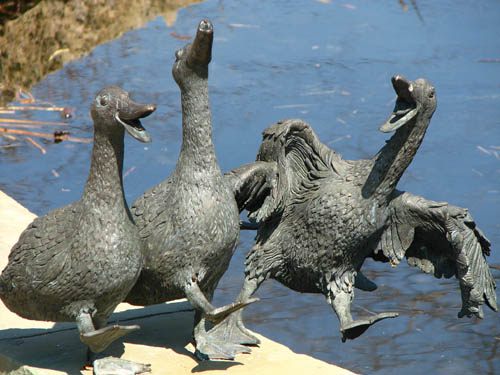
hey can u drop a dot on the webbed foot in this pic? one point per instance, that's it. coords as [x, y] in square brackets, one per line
[209, 347]
[357, 327]
[100, 339]
[234, 331]
[218, 314]
[115, 366]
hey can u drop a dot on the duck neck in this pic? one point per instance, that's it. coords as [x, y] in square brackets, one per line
[197, 145]
[393, 159]
[104, 184]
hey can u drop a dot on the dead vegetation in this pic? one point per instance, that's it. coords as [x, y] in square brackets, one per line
[52, 32]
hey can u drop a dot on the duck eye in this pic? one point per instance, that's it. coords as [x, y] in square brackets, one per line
[103, 100]
[431, 94]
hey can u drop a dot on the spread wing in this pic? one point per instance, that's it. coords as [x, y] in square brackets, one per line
[291, 159]
[443, 240]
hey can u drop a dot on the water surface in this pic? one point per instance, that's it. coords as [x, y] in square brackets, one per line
[329, 63]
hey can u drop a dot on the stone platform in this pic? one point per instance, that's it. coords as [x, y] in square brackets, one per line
[45, 348]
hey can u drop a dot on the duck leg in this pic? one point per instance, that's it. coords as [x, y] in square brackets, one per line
[210, 346]
[232, 328]
[98, 337]
[341, 303]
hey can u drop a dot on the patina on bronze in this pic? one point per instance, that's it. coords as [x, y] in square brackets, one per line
[78, 262]
[190, 221]
[319, 217]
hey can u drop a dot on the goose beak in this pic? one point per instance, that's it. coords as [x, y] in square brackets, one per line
[130, 119]
[200, 52]
[406, 106]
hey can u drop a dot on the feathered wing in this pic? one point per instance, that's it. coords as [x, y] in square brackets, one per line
[291, 164]
[152, 215]
[252, 183]
[147, 210]
[443, 240]
[290, 158]
[40, 256]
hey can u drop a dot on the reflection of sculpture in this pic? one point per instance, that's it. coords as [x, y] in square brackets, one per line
[190, 221]
[78, 262]
[321, 216]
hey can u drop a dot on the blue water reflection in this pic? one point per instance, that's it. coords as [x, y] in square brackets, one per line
[329, 63]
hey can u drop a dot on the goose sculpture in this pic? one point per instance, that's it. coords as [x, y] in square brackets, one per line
[78, 262]
[190, 221]
[319, 217]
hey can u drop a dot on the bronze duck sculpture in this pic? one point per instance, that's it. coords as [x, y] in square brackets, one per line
[78, 262]
[319, 217]
[190, 221]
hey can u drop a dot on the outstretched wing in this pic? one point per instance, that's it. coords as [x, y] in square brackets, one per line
[291, 159]
[286, 135]
[443, 240]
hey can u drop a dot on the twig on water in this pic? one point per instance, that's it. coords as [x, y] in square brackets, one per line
[32, 108]
[417, 10]
[414, 5]
[482, 149]
[56, 136]
[17, 121]
[130, 170]
[181, 37]
[26, 126]
[37, 145]
[8, 136]
[11, 145]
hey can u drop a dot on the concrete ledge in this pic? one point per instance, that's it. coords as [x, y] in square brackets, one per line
[33, 347]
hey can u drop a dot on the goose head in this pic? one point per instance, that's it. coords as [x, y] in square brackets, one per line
[191, 62]
[416, 100]
[113, 110]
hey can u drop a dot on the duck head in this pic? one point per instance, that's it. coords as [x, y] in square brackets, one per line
[191, 62]
[113, 110]
[416, 99]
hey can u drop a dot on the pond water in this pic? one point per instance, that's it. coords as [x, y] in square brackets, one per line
[329, 63]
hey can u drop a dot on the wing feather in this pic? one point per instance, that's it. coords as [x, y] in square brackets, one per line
[147, 209]
[38, 255]
[252, 184]
[443, 240]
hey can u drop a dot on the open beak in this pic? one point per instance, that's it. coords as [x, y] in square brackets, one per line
[130, 119]
[406, 106]
[200, 52]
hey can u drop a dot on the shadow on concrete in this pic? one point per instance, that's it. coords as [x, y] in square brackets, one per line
[59, 348]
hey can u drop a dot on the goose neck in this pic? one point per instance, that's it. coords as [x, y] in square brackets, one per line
[104, 183]
[197, 143]
[393, 159]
